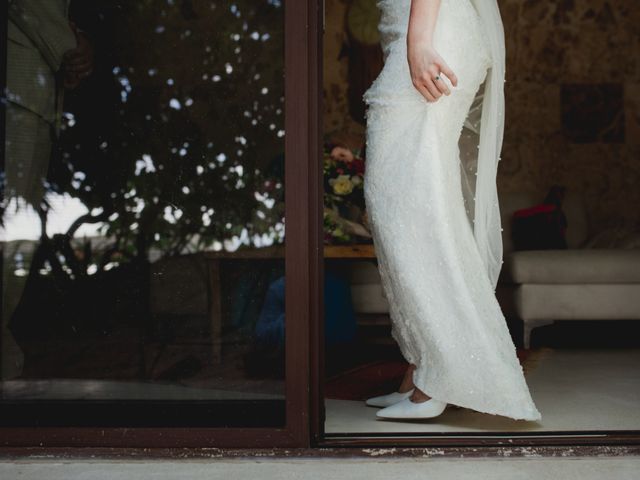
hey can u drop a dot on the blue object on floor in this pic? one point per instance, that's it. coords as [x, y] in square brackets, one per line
[270, 325]
[339, 317]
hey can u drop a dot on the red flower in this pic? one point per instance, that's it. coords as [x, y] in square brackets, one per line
[358, 165]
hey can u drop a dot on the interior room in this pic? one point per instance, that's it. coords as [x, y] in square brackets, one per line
[572, 310]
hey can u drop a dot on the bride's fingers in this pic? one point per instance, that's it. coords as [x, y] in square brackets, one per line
[444, 68]
[433, 89]
[442, 85]
[425, 92]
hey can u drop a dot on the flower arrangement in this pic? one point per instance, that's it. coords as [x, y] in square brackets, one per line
[344, 207]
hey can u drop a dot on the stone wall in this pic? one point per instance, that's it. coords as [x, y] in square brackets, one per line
[573, 97]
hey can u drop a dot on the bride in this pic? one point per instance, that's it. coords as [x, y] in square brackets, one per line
[434, 134]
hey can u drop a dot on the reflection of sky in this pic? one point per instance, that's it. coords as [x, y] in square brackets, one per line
[25, 223]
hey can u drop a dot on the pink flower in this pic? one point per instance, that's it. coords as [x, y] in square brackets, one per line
[342, 153]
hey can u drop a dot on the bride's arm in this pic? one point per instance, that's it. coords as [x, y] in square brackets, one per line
[425, 64]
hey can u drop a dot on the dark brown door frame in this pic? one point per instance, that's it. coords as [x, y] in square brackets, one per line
[304, 303]
[316, 228]
[303, 263]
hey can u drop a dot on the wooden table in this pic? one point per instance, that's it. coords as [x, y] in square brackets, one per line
[214, 259]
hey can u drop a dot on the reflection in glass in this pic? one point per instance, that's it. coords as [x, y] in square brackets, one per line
[143, 201]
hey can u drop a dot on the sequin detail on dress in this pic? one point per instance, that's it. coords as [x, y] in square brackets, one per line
[445, 316]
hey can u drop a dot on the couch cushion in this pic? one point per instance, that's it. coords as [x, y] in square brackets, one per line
[369, 298]
[572, 206]
[363, 272]
[574, 266]
[590, 301]
[509, 203]
[367, 294]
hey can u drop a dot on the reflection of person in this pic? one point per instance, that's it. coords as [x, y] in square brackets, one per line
[45, 54]
[438, 262]
[269, 332]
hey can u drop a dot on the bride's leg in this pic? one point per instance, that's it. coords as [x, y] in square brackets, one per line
[407, 381]
[403, 392]
[418, 396]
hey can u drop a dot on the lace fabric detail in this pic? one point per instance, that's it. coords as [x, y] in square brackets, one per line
[445, 316]
[394, 84]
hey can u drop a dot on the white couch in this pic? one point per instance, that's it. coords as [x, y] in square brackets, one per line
[542, 286]
[578, 283]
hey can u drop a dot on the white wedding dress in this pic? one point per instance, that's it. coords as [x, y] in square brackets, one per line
[445, 316]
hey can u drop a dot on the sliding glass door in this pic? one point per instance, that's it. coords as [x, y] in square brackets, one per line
[147, 280]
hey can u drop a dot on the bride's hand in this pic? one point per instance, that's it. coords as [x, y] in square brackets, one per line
[426, 67]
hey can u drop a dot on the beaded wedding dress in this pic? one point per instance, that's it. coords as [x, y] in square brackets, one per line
[437, 245]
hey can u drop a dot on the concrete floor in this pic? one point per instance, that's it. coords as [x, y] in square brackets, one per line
[574, 389]
[574, 468]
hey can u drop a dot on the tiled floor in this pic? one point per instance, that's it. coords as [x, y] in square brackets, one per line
[574, 389]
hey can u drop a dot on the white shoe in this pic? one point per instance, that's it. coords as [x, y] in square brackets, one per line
[389, 399]
[408, 409]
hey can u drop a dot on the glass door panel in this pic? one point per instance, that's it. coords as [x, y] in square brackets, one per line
[143, 214]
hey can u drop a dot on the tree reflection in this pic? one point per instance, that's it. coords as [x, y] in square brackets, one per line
[173, 145]
[177, 139]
